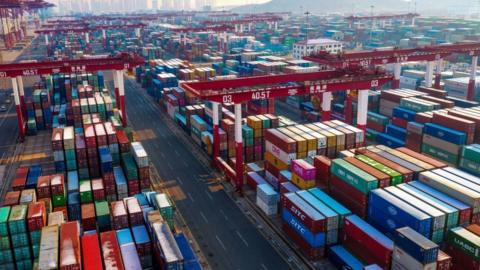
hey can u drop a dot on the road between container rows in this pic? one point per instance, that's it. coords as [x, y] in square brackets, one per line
[225, 235]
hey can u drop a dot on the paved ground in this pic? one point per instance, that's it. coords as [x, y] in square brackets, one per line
[227, 238]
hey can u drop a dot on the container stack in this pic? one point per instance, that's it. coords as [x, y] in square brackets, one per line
[58, 191]
[144, 245]
[17, 225]
[463, 245]
[413, 251]
[128, 250]
[190, 261]
[303, 174]
[165, 249]
[36, 219]
[469, 157]
[131, 173]
[49, 247]
[70, 249]
[164, 205]
[198, 125]
[443, 143]
[6, 252]
[267, 199]
[111, 250]
[143, 166]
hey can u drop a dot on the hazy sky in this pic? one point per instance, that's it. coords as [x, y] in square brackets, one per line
[239, 2]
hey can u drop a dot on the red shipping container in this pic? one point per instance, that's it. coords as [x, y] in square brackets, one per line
[471, 117]
[108, 178]
[432, 92]
[144, 184]
[90, 139]
[119, 215]
[444, 261]
[123, 142]
[111, 133]
[61, 209]
[461, 261]
[101, 135]
[322, 165]
[43, 187]
[305, 248]
[406, 173]
[57, 184]
[111, 251]
[11, 198]
[37, 216]
[381, 254]
[383, 179]
[70, 250]
[92, 260]
[345, 199]
[144, 173]
[57, 139]
[314, 226]
[355, 194]
[110, 190]
[20, 179]
[88, 217]
[272, 169]
[80, 147]
[399, 122]
[476, 218]
[98, 190]
[375, 126]
[133, 187]
[364, 253]
[423, 118]
[135, 213]
[281, 140]
[456, 123]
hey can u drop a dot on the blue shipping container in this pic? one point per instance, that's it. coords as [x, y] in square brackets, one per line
[343, 259]
[314, 240]
[446, 134]
[417, 246]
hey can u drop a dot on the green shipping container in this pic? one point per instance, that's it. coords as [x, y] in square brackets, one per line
[467, 242]
[70, 154]
[471, 152]
[441, 154]
[86, 195]
[6, 256]
[4, 243]
[395, 177]
[24, 264]
[128, 164]
[470, 166]
[103, 215]
[58, 200]
[22, 253]
[17, 221]
[19, 239]
[4, 213]
[352, 175]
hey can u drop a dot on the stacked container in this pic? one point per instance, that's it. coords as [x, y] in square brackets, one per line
[49, 247]
[164, 205]
[17, 225]
[128, 250]
[267, 199]
[413, 251]
[70, 249]
[36, 219]
[141, 159]
[303, 174]
[6, 252]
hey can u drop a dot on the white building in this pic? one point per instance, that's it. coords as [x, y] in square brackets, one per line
[305, 48]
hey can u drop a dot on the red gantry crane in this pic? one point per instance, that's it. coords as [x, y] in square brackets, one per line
[92, 64]
[13, 27]
[433, 55]
[266, 87]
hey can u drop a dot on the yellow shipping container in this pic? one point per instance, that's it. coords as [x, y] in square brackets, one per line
[258, 133]
[254, 122]
[301, 183]
[301, 142]
[275, 161]
[311, 141]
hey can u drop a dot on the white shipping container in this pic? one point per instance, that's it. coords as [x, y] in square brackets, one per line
[48, 254]
[139, 154]
[56, 218]
[269, 210]
[131, 261]
[403, 261]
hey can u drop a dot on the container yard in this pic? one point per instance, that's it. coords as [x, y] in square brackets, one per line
[192, 135]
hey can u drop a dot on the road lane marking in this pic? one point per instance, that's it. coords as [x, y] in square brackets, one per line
[241, 238]
[208, 195]
[264, 267]
[223, 214]
[190, 196]
[203, 216]
[163, 156]
[169, 143]
[220, 241]
[176, 153]
[170, 166]
[185, 163]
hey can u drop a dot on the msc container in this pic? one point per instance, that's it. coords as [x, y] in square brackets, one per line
[112, 258]
[464, 211]
[304, 212]
[70, 250]
[361, 180]
[49, 252]
[416, 245]
[368, 237]
[390, 213]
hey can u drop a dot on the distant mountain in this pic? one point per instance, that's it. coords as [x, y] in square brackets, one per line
[328, 6]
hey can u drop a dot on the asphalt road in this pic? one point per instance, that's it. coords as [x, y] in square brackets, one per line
[225, 235]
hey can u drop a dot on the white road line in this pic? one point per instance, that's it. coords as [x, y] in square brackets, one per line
[176, 153]
[208, 195]
[220, 241]
[203, 216]
[163, 156]
[185, 163]
[190, 196]
[223, 214]
[180, 180]
[241, 238]
[169, 143]
[170, 165]
[264, 267]
[6, 114]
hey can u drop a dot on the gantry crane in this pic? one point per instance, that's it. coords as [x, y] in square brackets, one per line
[118, 63]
